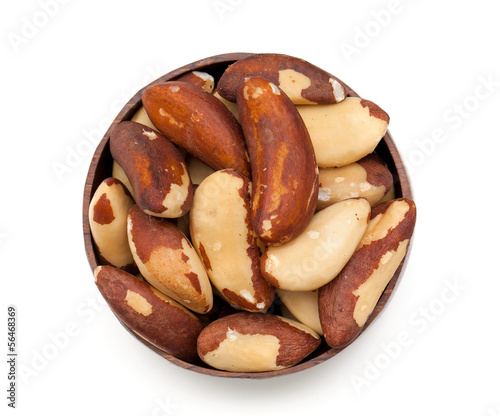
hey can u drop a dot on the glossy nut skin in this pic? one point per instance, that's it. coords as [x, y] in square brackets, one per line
[303, 82]
[254, 342]
[284, 171]
[168, 261]
[345, 132]
[108, 213]
[197, 122]
[345, 304]
[224, 238]
[317, 256]
[155, 168]
[199, 78]
[149, 313]
[367, 178]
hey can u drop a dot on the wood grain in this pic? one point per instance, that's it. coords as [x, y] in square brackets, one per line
[100, 169]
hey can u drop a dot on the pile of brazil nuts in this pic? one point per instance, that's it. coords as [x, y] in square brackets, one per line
[225, 198]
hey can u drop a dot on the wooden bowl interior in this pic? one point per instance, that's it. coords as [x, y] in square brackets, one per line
[101, 167]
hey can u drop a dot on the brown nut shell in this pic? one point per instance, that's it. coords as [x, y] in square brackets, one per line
[201, 79]
[303, 82]
[367, 178]
[155, 168]
[345, 304]
[149, 313]
[254, 342]
[108, 213]
[168, 261]
[284, 171]
[223, 236]
[197, 122]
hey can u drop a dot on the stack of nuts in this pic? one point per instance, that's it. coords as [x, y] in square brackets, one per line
[221, 201]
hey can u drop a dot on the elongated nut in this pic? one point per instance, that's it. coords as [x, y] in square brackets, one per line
[303, 306]
[108, 222]
[316, 256]
[149, 313]
[155, 168]
[302, 81]
[201, 79]
[345, 132]
[224, 238]
[254, 342]
[168, 261]
[367, 178]
[346, 303]
[284, 171]
[197, 122]
[118, 173]
[232, 107]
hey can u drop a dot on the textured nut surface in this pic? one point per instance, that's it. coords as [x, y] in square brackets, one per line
[284, 171]
[168, 261]
[199, 78]
[316, 256]
[223, 236]
[302, 81]
[232, 107]
[197, 122]
[250, 342]
[155, 169]
[303, 306]
[345, 132]
[346, 303]
[367, 178]
[149, 313]
[108, 222]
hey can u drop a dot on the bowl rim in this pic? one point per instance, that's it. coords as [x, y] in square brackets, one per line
[386, 148]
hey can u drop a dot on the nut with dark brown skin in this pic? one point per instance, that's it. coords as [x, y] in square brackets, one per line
[223, 236]
[201, 79]
[108, 213]
[284, 171]
[155, 168]
[367, 178]
[346, 303]
[168, 261]
[197, 122]
[254, 342]
[303, 82]
[149, 313]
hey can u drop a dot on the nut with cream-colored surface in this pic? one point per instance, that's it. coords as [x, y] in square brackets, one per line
[303, 306]
[108, 221]
[155, 168]
[303, 82]
[223, 236]
[284, 171]
[346, 303]
[345, 132]
[168, 261]
[149, 313]
[249, 342]
[317, 255]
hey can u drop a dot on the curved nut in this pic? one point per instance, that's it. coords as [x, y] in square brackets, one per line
[155, 168]
[223, 236]
[197, 122]
[367, 178]
[117, 172]
[316, 256]
[108, 222]
[345, 304]
[149, 313]
[254, 342]
[168, 261]
[303, 306]
[303, 82]
[201, 79]
[345, 132]
[284, 171]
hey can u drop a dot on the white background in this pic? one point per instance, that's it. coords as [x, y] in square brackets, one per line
[434, 66]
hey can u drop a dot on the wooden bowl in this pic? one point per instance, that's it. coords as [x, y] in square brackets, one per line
[100, 169]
